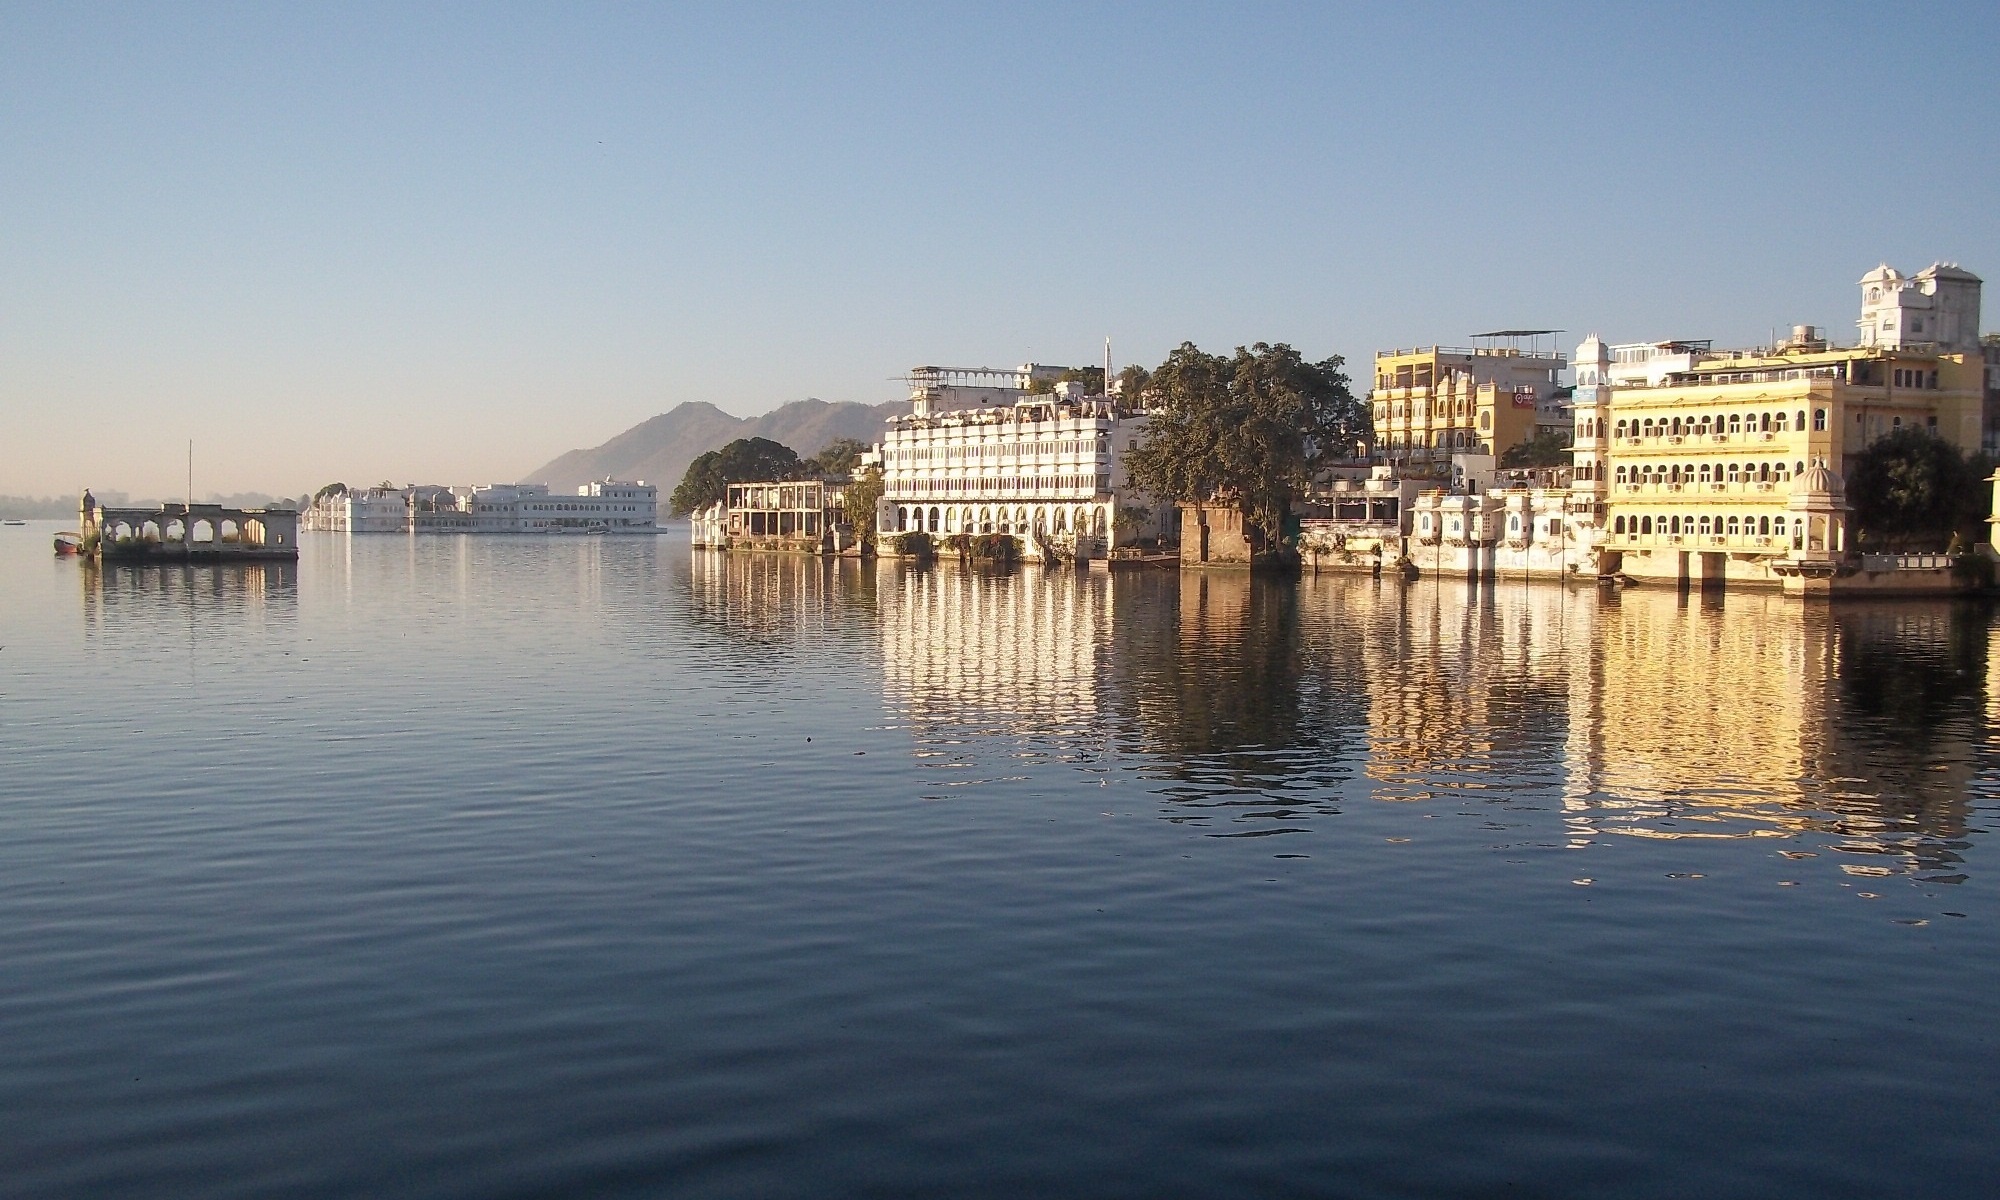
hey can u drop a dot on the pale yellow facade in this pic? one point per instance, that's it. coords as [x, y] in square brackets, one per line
[1712, 459]
[1432, 402]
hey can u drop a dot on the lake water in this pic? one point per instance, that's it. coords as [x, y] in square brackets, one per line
[592, 867]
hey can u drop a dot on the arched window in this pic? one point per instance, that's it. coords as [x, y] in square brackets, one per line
[1778, 526]
[1763, 472]
[1733, 527]
[1704, 472]
[1764, 422]
[936, 525]
[1732, 473]
[1764, 526]
[1778, 423]
[1617, 523]
[1620, 474]
[1819, 419]
[902, 520]
[1645, 524]
[1674, 525]
[1705, 525]
[1646, 427]
[1736, 422]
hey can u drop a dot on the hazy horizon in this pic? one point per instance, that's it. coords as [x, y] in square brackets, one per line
[451, 244]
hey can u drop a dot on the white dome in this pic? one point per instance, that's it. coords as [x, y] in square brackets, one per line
[1819, 480]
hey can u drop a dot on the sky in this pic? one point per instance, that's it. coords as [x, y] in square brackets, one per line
[446, 243]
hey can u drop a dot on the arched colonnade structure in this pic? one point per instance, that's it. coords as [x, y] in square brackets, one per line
[198, 532]
[1054, 519]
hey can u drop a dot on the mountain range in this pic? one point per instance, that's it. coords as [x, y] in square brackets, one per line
[658, 450]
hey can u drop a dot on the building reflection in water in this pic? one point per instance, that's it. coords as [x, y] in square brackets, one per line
[1644, 713]
[147, 602]
[1011, 653]
[795, 609]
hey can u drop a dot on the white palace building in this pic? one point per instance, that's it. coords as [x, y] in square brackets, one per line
[607, 506]
[985, 450]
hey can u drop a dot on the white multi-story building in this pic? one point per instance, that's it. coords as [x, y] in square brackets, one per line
[988, 451]
[1938, 308]
[358, 510]
[608, 506]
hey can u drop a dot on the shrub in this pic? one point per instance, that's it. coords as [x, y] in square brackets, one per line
[996, 548]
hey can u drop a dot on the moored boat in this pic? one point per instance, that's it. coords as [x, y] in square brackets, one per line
[68, 545]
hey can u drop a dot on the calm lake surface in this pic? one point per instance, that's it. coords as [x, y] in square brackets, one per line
[481, 867]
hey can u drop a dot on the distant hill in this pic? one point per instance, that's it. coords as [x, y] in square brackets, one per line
[659, 450]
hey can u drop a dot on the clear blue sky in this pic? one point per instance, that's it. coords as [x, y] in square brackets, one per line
[445, 243]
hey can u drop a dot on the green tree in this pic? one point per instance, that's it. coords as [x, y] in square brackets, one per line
[744, 460]
[1549, 449]
[1914, 488]
[840, 458]
[1131, 383]
[858, 505]
[1092, 379]
[1253, 429]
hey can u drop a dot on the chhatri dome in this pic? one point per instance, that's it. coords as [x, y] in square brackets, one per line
[1819, 480]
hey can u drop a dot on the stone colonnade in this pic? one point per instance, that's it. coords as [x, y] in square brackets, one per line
[1093, 518]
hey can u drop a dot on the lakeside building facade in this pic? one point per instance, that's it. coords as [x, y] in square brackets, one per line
[358, 510]
[186, 532]
[1013, 452]
[608, 506]
[1687, 464]
[799, 514]
[1433, 402]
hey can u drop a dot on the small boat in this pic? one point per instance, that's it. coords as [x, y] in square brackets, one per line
[68, 545]
[13, 522]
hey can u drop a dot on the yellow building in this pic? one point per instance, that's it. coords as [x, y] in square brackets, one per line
[1432, 402]
[1717, 459]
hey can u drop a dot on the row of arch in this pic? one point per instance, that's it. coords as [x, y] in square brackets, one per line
[1765, 422]
[1812, 533]
[1443, 439]
[1441, 409]
[1726, 473]
[175, 530]
[1726, 526]
[988, 518]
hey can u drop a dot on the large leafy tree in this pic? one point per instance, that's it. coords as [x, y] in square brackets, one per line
[1542, 450]
[1914, 487]
[858, 504]
[745, 460]
[840, 457]
[1253, 428]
